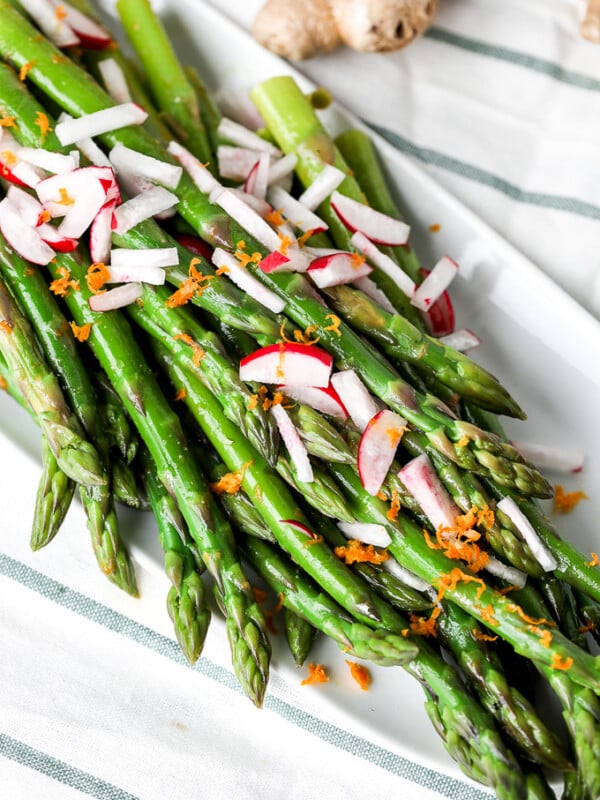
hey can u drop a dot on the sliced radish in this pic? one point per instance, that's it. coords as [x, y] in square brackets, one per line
[200, 175]
[235, 133]
[25, 175]
[366, 532]
[29, 207]
[539, 550]
[326, 400]
[114, 80]
[92, 152]
[116, 298]
[384, 263]
[377, 227]
[377, 448]
[440, 317]
[92, 35]
[58, 242]
[143, 274]
[101, 234]
[153, 169]
[50, 23]
[337, 269]
[145, 205]
[275, 262]
[99, 122]
[372, 291]
[300, 527]
[421, 480]
[435, 284]
[80, 215]
[461, 340]
[323, 185]
[293, 443]
[60, 192]
[235, 163]
[551, 458]
[246, 281]
[45, 159]
[150, 257]
[405, 575]
[23, 238]
[281, 168]
[290, 363]
[247, 218]
[256, 182]
[355, 396]
[261, 207]
[195, 245]
[299, 216]
[501, 570]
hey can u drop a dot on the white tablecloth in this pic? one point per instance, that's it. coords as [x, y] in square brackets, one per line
[500, 102]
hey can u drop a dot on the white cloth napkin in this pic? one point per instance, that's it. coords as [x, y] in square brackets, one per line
[500, 102]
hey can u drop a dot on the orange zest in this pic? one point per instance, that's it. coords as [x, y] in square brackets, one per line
[192, 286]
[231, 482]
[275, 217]
[316, 674]
[425, 626]
[5, 326]
[566, 501]
[545, 637]
[61, 286]
[302, 240]
[3, 383]
[81, 332]
[25, 69]
[262, 397]
[392, 512]
[284, 243]
[435, 227]
[487, 614]
[360, 674]
[593, 562]
[96, 276]
[245, 258]
[463, 441]
[65, 198]
[483, 637]
[181, 394]
[9, 159]
[335, 324]
[60, 12]
[43, 123]
[316, 539]
[44, 216]
[356, 552]
[357, 260]
[526, 618]
[198, 352]
[558, 662]
[8, 122]
[448, 581]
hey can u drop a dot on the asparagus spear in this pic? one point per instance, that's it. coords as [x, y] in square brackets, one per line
[186, 602]
[299, 635]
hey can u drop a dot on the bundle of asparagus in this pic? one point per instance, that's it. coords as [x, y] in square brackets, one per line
[382, 501]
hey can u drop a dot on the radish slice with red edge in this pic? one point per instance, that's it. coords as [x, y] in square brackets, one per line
[199, 173]
[153, 169]
[405, 575]
[233, 132]
[384, 263]
[100, 122]
[24, 175]
[150, 257]
[366, 532]
[553, 459]
[373, 292]
[46, 160]
[114, 80]
[435, 284]
[195, 245]
[276, 262]
[59, 192]
[145, 205]
[288, 362]
[28, 206]
[256, 182]
[377, 448]
[355, 396]
[337, 269]
[235, 163]
[143, 274]
[439, 320]
[48, 21]
[378, 227]
[326, 400]
[509, 574]
[92, 35]
[246, 281]
[81, 214]
[421, 481]
[282, 168]
[300, 527]
[246, 217]
[323, 185]
[59, 243]
[293, 443]
[261, 207]
[116, 298]
[299, 216]
[23, 238]
[101, 234]
[461, 340]
[541, 553]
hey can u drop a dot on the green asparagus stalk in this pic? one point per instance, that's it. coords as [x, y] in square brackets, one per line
[299, 635]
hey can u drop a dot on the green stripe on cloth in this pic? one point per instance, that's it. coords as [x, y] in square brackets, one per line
[556, 202]
[59, 770]
[516, 57]
[112, 620]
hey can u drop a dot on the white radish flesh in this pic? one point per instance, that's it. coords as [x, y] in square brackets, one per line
[461, 340]
[233, 132]
[421, 481]
[246, 281]
[143, 274]
[327, 400]
[116, 298]
[366, 532]
[293, 443]
[338, 269]
[245, 216]
[372, 291]
[324, 184]
[153, 169]
[435, 284]
[377, 448]
[291, 363]
[383, 262]
[142, 207]
[553, 459]
[114, 80]
[46, 160]
[355, 396]
[200, 175]
[377, 227]
[151, 257]
[100, 122]
[539, 550]
[297, 214]
[23, 238]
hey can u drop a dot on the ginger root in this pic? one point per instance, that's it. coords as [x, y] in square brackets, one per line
[297, 30]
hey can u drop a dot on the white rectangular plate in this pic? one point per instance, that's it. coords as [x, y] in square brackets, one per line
[541, 344]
